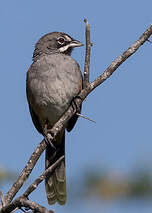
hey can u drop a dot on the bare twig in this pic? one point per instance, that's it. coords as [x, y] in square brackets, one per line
[87, 56]
[49, 171]
[119, 60]
[23, 202]
[25, 173]
[85, 117]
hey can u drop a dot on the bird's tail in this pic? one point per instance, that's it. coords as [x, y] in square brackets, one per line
[55, 185]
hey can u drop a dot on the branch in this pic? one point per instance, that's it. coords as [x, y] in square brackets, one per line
[49, 171]
[24, 202]
[122, 58]
[87, 56]
[25, 173]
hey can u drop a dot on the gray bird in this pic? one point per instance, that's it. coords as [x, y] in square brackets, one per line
[53, 80]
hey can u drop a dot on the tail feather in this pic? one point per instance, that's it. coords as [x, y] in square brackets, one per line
[55, 184]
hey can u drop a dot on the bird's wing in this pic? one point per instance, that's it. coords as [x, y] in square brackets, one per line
[35, 120]
[73, 120]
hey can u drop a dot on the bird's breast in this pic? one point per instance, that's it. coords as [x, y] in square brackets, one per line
[55, 82]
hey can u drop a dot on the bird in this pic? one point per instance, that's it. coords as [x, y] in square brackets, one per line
[53, 80]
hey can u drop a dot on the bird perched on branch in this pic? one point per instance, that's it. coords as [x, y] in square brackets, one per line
[53, 80]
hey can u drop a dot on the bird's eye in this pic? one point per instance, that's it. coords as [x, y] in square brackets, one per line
[61, 40]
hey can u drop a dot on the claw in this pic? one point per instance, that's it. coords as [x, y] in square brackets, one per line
[75, 106]
[48, 137]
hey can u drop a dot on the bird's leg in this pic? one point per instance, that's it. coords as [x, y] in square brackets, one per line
[48, 137]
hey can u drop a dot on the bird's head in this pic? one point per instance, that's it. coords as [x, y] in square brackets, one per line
[55, 42]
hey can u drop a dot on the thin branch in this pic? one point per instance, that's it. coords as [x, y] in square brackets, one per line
[119, 60]
[87, 55]
[23, 202]
[49, 171]
[25, 173]
[85, 117]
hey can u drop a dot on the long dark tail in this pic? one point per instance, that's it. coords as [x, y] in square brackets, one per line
[55, 185]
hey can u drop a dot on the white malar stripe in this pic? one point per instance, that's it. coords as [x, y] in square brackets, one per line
[64, 48]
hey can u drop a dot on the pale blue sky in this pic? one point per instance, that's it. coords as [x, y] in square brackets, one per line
[122, 136]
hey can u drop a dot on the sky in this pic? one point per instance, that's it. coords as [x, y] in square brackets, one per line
[121, 139]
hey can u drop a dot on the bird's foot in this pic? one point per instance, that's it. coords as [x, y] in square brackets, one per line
[75, 104]
[48, 137]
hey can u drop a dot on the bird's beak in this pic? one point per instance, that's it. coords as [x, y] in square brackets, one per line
[76, 43]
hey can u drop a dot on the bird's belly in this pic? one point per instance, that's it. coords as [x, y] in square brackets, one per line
[52, 100]
[53, 108]
[53, 82]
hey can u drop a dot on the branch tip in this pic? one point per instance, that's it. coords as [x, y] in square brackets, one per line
[85, 117]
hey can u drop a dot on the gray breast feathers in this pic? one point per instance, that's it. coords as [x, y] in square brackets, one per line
[54, 81]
